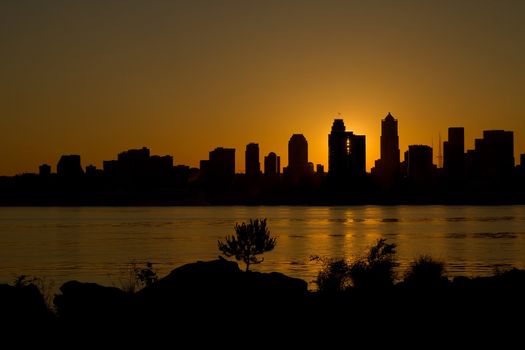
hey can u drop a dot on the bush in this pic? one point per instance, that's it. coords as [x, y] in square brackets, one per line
[135, 278]
[334, 276]
[373, 271]
[425, 272]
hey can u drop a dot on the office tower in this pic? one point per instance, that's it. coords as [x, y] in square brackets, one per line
[253, 166]
[69, 166]
[454, 153]
[346, 152]
[272, 164]
[419, 164]
[297, 155]
[222, 163]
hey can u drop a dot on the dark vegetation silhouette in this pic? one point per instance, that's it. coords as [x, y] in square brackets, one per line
[425, 272]
[251, 239]
[334, 276]
[217, 301]
[134, 277]
[375, 270]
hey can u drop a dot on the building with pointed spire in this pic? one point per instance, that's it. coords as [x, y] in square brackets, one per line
[387, 168]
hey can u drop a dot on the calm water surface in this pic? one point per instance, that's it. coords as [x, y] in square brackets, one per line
[97, 244]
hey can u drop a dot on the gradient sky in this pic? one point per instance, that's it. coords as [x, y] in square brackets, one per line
[182, 77]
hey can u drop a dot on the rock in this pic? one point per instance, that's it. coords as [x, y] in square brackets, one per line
[23, 305]
[219, 287]
[90, 302]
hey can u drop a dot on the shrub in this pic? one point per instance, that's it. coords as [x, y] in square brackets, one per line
[425, 272]
[373, 271]
[376, 269]
[334, 276]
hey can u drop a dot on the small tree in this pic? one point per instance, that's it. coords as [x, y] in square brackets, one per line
[250, 240]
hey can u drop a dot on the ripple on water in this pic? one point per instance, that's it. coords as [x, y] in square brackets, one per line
[495, 235]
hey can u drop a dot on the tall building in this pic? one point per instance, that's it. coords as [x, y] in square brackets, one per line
[387, 168]
[222, 163]
[253, 167]
[346, 152]
[272, 164]
[69, 166]
[420, 167]
[297, 155]
[454, 153]
[495, 153]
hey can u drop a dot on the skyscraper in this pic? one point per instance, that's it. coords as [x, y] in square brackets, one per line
[253, 166]
[495, 153]
[420, 166]
[69, 166]
[346, 152]
[454, 153]
[272, 164]
[297, 155]
[221, 164]
[387, 168]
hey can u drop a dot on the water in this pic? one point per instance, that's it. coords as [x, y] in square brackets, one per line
[97, 244]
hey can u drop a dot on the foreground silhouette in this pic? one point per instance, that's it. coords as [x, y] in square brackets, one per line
[216, 297]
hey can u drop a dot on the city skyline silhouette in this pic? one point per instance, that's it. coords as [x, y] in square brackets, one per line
[182, 78]
[487, 173]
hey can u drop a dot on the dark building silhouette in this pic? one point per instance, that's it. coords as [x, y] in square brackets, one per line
[204, 166]
[310, 167]
[110, 167]
[133, 162]
[297, 155]
[454, 153]
[420, 167]
[253, 166]
[160, 166]
[346, 152]
[69, 166]
[222, 163]
[387, 168]
[272, 164]
[493, 155]
[139, 164]
[91, 170]
[320, 169]
[44, 170]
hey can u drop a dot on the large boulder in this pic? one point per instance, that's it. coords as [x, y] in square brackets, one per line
[88, 302]
[219, 287]
[23, 305]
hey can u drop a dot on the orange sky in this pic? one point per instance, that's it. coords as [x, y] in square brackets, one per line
[183, 77]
